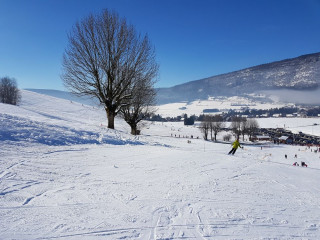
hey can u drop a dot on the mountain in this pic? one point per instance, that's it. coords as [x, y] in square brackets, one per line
[298, 74]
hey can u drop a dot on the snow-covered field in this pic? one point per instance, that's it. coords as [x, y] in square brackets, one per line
[223, 104]
[305, 125]
[63, 175]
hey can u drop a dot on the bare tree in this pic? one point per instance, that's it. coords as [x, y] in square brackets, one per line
[209, 119]
[244, 127]
[252, 127]
[205, 127]
[216, 125]
[9, 92]
[236, 126]
[104, 58]
[141, 104]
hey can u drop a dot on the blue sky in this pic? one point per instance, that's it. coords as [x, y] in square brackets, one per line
[194, 39]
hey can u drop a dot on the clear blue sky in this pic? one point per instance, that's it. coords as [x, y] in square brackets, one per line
[194, 39]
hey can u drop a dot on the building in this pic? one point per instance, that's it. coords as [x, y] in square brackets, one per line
[261, 138]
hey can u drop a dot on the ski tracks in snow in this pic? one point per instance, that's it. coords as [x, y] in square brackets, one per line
[178, 221]
[154, 194]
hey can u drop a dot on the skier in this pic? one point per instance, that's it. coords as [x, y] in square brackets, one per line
[296, 164]
[303, 164]
[235, 146]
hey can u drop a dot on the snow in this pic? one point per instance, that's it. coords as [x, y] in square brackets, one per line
[221, 103]
[64, 175]
[296, 125]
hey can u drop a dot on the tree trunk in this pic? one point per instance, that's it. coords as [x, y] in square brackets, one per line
[134, 130]
[238, 135]
[110, 115]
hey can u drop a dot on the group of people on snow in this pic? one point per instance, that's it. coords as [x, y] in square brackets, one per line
[303, 164]
[236, 145]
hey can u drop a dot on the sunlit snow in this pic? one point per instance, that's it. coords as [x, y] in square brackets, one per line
[64, 175]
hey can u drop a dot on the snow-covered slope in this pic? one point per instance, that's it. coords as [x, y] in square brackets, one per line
[66, 95]
[54, 121]
[63, 175]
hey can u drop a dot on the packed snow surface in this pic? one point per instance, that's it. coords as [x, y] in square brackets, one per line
[64, 175]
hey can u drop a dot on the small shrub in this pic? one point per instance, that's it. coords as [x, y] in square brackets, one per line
[227, 137]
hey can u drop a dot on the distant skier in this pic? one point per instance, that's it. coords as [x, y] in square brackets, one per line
[296, 164]
[235, 146]
[303, 164]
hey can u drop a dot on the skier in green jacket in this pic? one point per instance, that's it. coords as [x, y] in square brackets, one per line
[235, 146]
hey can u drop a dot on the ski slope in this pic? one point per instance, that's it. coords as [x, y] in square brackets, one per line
[64, 175]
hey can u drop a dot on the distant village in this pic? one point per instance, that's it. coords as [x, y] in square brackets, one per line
[280, 135]
[276, 135]
[277, 112]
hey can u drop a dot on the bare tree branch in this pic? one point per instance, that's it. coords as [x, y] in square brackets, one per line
[105, 59]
